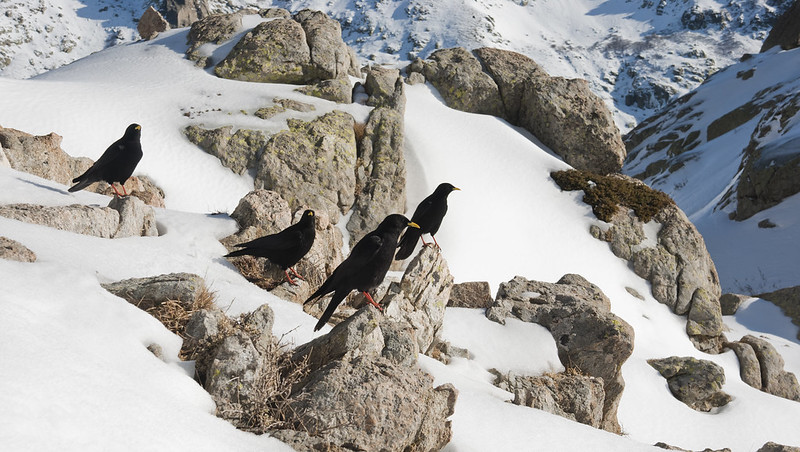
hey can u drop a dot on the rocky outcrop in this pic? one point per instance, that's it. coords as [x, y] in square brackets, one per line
[215, 29]
[730, 302]
[124, 217]
[786, 31]
[41, 156]
[662, 246]
[775, 447]
[334, 90]
[380, 85]
[576, 397]
[15, 251]
[380, 172]
[282, 105]
[473, 294]
[264, 212]
[153, 291]
[589, 338]
[305, 49]
[788, 299]
[151, 24]
[183, 13]
[761, 366]
[564, 114]
[237, 151]
[312, 163]
[360, 397]
[695, 382]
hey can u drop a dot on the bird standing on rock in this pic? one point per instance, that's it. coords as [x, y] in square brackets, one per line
[284, 248]
[116, 164]
[365, 267]
[428, 216]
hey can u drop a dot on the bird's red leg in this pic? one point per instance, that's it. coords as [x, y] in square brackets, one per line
[124, 190]
[437, 243]
[289, 278]
[115, 189]
[423, 240]
[369, 298]
[296, 274]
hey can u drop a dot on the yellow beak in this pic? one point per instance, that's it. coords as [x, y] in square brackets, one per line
[411, 224]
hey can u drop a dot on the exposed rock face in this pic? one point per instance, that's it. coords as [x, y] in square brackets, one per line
[380, 85]
[588, 336]
[40, 155]
[238, 150]
[215, 28]
[459, 78]
[697, 383]
[313, 163]
[564, 114]
[788, 299]
[774, 379]
[305, 49]
[421, 296]
[282, 105]
[334, 90]
[99, 222]
[135, 218]
[473, 294]
[15, 251]
[153, 291]
[786, 31]
[357, 396]
[775, 447]
[151, 24]
[576, 397]
[183, 13]
[730, 302]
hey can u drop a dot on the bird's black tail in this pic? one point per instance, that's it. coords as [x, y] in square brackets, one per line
[407, 243]
[332, 305]
[81, 184]
[241, 252]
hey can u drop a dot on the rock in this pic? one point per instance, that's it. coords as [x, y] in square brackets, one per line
[729, 303]
[204, 324]
[510, 70]
[786, 31]
[459, 78]
[216, 29]
[157, 351]
[151, 24]
[474, 294]
[775, 447]
[380, 172]
[273, 13]
[788, 299]
[380, 85]
[141, 187]
[154, 290]
[749, 367]
[15, 251]
[399, 342]
[707, 449]
[588, 336]
[697, 383]
[312, 164]
[334, 90]
[774, 379]
[136, 219]
[370, 403]
[576, 397]
[183, 13]
[232, 376]
[4, 163]
[329, 55]
[95, 221]
[704, 322]
[238, 150]
[264, 210]
[415, 78]
[421, 296]
[40, 155]
[273, 52]
[303, 442]
[258, 325]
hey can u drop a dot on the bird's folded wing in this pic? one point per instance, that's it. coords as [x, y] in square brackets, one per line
[281, 241]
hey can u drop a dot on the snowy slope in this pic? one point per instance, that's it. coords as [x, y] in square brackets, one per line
[636, 55]
[76, 374]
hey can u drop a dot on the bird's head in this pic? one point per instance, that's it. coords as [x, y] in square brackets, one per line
[446, 188]
[308, 216]
[396, 222]
[133, 131]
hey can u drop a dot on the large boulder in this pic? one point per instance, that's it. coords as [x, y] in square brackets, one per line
[786, 31]
[313, 164]
[151, 24]
[15, 251]
[215, 29]
[563, 113]
[95, 221]
[471, 294]
[330, 58]
[238, 150]
[788, 299]
[41, 156]
[695, 382]
[589, 337]
[183, 13]
[153, 291]
[774, 379]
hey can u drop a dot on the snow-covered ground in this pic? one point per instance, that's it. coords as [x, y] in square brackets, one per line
[75, 372]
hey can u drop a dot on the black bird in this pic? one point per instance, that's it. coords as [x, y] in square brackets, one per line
[284, 248]
[365, 267]
[428, 216]
[117, 162]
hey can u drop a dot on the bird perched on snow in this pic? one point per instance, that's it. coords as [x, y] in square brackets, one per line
[365, 267]
[284, 248]
[116, 164]
[428, 216]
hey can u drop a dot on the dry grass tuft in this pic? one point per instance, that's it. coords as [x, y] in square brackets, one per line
[254, 271]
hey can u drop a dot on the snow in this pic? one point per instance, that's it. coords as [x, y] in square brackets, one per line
[76, 373]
